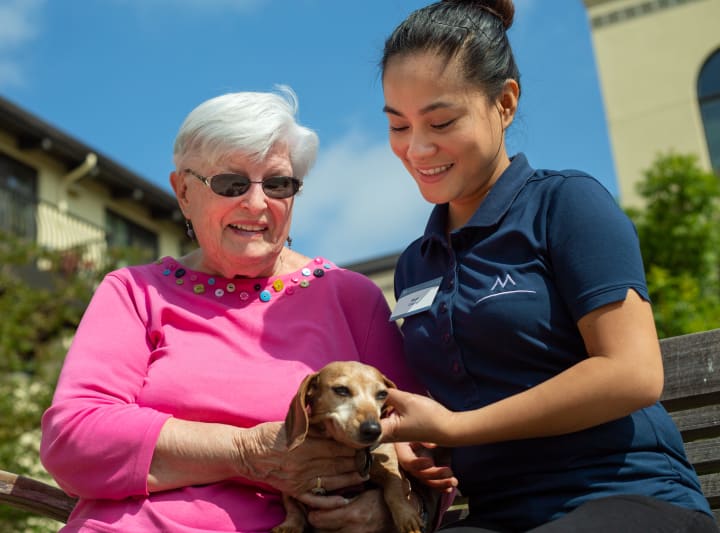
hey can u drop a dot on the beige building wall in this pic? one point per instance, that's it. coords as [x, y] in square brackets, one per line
[79, 193]
[649, 54]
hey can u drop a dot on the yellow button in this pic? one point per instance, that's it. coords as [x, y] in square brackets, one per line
[278, 285]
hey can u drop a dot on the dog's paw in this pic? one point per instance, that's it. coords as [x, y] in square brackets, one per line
[407, 521]
[287, 528]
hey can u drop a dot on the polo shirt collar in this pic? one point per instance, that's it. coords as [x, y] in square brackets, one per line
[493, 207]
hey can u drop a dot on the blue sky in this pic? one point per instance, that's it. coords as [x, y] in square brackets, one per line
[121, 75]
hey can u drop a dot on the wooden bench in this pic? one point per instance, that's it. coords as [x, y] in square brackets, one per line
[691, 395]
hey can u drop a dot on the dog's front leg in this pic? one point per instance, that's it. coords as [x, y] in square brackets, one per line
[295, 520]
[385, 471]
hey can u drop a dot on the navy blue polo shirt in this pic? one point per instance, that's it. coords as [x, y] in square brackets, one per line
[542, 250]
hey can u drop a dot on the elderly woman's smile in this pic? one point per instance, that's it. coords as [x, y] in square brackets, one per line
[247, 229]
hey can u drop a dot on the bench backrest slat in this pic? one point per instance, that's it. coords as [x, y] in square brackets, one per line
[692, 397]
[692, 368]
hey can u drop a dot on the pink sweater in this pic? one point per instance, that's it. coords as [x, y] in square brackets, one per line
[160, 341]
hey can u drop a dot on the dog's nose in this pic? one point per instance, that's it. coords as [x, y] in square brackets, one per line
[370, 430]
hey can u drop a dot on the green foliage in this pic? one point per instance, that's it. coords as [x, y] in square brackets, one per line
[679, 230]
[43, 295]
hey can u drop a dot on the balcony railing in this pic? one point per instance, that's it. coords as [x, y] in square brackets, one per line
[51, 228]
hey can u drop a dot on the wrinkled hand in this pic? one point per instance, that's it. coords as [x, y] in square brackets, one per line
[367, 513]
[416, 418]
[263, 456]
[421, 461]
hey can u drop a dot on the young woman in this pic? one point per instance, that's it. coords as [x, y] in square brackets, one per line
[539, 348]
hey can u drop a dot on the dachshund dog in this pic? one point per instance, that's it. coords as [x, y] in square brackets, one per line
[344, 401]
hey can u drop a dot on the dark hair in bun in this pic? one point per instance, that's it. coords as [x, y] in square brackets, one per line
[472, 31]
[502, 9]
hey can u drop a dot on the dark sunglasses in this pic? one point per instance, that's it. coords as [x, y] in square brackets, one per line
[232, 185]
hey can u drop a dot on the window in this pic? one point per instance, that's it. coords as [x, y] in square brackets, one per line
[122, 232]
[709, 100]
[18, 198]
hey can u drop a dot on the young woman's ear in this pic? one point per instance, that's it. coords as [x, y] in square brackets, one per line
[508, 101]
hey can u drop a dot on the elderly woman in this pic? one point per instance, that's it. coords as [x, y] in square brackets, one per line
[165, 416]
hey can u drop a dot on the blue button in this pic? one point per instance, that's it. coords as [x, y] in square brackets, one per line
[265, 296]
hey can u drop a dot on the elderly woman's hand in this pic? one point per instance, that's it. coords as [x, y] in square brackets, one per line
[366, 513]
[263, 456]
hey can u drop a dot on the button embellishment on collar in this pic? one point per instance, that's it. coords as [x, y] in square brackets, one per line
[201, 283]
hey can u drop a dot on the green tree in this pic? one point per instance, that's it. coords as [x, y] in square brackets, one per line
[43, 295]
[679, 231]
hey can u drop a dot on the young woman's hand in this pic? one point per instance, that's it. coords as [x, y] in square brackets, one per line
[422, 461]
[416, 418]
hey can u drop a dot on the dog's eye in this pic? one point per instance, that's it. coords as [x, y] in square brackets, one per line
[381, 395]
[341, 391]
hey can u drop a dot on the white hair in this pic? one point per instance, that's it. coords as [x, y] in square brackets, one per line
[249, 122]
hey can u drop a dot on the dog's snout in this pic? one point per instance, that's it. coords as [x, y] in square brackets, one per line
[370, 430]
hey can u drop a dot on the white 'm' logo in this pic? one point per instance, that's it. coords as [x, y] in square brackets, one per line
[508, 282]
[503, 284]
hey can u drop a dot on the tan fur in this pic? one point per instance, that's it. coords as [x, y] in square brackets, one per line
[335, 402]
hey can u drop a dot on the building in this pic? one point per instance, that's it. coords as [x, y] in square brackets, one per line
[66, 196]
[658, 62]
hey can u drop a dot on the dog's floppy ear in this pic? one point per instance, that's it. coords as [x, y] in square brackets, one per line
[387, 409]
[297, 420]
[388, 382]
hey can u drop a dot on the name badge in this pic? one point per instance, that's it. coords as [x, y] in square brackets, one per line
[416, 299]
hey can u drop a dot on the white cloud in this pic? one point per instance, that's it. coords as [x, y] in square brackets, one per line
[358, 203]
[18, 28]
